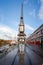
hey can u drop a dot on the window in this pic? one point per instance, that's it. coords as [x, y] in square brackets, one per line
[42, 31]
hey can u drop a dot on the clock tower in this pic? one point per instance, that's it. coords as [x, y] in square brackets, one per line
[21, 35]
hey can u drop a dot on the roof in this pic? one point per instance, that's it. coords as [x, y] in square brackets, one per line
[38, 28]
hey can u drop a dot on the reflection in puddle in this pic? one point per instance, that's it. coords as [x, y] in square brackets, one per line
[21, 59]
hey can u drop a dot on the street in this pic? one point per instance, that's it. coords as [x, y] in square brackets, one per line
[29, 58]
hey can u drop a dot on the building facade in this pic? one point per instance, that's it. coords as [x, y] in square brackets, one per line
[37, 36]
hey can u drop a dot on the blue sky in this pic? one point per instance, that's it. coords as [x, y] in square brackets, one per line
[10, 12]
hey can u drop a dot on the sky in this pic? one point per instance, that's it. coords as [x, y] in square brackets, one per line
[10, 12]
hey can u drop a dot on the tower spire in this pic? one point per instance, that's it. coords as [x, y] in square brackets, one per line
[21, 18]
[22, 10]
[21, 35]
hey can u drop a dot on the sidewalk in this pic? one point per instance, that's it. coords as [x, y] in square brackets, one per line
[37, 49]
[5, 49]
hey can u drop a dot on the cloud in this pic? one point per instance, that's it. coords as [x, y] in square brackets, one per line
[28, 27]
[41, 10]
[7, 32]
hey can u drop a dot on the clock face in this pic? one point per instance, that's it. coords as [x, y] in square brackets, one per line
[21, 28]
